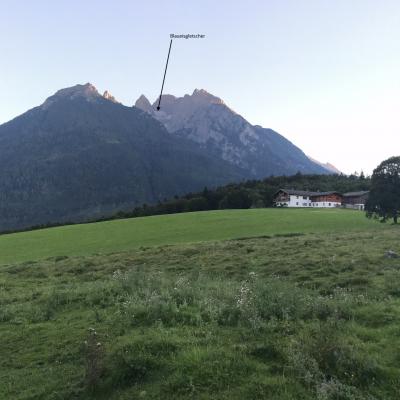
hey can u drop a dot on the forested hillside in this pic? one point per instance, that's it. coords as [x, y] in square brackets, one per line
[81, 156]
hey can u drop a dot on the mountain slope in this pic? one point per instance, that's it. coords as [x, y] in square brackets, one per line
[83, 155]
[208, 121]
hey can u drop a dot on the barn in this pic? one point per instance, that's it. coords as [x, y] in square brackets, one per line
[355, 200]
[326, 199]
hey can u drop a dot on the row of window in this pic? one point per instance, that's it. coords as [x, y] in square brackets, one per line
[311, 204]
[304, 197]
[314, 204]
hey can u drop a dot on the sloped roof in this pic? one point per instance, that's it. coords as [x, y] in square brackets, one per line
[356, 194]
[296, 192]
[325, 193]
[305, 192]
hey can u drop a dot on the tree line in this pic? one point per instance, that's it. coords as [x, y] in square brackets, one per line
[248, 194]
[383, 203]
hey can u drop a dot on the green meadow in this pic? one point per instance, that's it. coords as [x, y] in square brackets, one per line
[127, 234]
[246, 304]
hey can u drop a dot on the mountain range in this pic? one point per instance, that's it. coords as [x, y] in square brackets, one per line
[208, 121]
[82, 155]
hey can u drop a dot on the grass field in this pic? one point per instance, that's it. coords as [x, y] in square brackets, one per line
[121, 235]
[309, 309]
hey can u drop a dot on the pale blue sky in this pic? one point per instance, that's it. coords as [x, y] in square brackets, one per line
[326, 74]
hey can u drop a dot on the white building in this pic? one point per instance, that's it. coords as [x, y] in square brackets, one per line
[301, 198]
[292, 198]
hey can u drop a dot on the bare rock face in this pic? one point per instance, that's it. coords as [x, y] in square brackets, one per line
[206, 120]
[177, 111]
[86, 91]
[108, 96]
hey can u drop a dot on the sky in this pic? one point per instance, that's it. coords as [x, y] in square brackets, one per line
[325, 74]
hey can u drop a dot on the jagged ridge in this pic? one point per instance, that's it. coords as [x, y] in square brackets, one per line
[211, 124]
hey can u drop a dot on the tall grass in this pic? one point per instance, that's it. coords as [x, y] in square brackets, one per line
[229, 320]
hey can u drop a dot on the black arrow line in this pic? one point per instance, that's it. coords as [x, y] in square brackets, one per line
[165, 73]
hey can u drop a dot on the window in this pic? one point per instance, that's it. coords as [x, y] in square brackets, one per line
[297, 197]
[297, 203]
[329, 204]
[305, 197]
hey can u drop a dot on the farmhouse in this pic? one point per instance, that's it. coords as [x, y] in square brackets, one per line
[302, 198]
[292, 198]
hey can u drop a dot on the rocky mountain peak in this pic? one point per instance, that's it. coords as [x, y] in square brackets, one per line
[108, 96]
[86, 91]
[204, 96]
[184, 106]
[177, 112]
[328, 166]
[144, 104]
[167, 100]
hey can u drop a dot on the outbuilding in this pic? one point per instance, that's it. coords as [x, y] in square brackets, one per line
[355, 200]
[326, 199]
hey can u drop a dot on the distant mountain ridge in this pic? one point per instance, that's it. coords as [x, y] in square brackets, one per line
[206, 120]
[330, 167]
